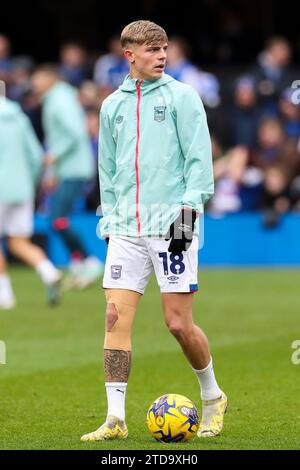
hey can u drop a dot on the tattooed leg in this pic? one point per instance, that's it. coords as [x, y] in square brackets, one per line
[120, 312]
[117, 368]
[117, 365]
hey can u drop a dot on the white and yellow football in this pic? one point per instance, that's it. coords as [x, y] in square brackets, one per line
[172, 418]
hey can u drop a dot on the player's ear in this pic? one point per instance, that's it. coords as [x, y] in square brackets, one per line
[129, 54]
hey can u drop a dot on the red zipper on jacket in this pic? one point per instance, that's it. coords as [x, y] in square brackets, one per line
[137, 178]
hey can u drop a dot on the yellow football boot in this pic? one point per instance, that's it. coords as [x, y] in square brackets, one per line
[113, 428]
[212, 417]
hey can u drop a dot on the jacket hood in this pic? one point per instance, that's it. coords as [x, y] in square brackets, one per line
[129, 84]
[8, 109]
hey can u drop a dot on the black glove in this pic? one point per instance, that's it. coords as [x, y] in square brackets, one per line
[107, 240]
[181, 231]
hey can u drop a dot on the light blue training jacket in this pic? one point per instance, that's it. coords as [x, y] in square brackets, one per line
[154, 156]
[20, 155]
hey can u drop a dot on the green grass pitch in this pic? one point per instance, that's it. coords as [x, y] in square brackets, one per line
[52, 388]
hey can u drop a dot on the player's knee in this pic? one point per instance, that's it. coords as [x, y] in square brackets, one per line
[121, 308]
[177, 329]
[12, 243]
[118, 328]
[112, 316]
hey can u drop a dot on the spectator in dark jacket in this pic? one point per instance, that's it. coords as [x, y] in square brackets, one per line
[290, 114]
[275, 148]
[276, 196]
[245, 114]
[273, 72]
[73, 67]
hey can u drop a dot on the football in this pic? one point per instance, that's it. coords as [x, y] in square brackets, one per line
[172, 418]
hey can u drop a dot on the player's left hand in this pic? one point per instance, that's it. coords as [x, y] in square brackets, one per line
[181, 231]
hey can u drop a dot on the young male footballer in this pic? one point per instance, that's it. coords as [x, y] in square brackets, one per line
[21, 157]
[156, 174]
[69, 167]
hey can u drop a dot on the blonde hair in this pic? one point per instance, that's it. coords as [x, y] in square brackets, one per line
[141, 32]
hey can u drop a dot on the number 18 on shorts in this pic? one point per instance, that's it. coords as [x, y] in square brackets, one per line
[131, 260]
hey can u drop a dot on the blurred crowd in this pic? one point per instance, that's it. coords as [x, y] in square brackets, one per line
[253, 115]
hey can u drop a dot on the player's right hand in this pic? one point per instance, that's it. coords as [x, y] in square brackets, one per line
[181, 231]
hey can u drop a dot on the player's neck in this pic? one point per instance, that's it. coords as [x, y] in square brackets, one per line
[135, 75]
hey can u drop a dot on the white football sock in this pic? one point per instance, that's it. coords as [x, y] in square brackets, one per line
[208, 384]
[5, 285]
[47, 271]
[116, 394]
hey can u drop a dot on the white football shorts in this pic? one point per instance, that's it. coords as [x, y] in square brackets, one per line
[131, 260]
[16, 220]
